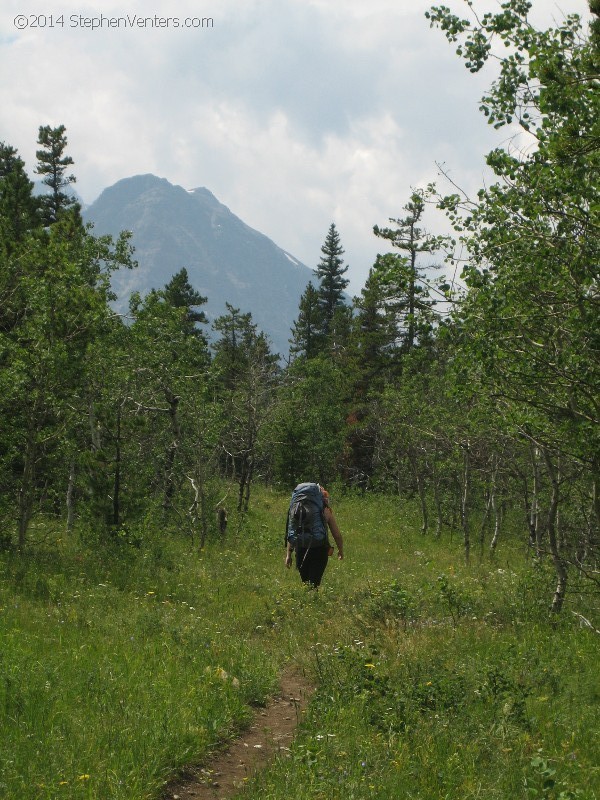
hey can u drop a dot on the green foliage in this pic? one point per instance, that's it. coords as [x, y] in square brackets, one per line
[126, 659]
[179, 293]
[307, 331]
[52, 165]
[541, 782]
[307, 423]
[530, 308]
[330, 272]
[407, 293]
[18, 207]
[391, 603]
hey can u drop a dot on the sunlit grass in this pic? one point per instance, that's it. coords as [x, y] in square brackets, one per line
[120, 665]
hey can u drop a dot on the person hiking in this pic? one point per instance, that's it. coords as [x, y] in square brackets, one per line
[309, 517]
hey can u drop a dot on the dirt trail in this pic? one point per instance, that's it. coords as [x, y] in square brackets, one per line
[271, 730]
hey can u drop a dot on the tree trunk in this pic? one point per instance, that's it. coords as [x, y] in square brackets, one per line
[26, 491]
[169, 489]
[559, 565]
[595, 515]
[485, 520]
[116, 508]
[464, 505]
[414, 463]
[70, 498]
[94, 432]
[438, 507]
[242, 482]
[497, 521]
[593, 525]
[527, 509]
[249, 479]
[535, 526]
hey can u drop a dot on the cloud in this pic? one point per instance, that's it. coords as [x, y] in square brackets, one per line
[295, 113]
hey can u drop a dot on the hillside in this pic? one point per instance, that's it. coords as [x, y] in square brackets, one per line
[226, 260]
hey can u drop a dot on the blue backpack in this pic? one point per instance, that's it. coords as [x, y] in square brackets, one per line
[306, 522]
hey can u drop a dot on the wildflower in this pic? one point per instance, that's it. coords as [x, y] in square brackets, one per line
[370, 666]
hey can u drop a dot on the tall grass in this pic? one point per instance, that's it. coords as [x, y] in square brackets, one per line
[121, 664]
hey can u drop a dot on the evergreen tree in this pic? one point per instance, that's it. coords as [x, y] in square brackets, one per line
[374, 334]
[308, 421]
[307, 332]
[52, 165]
[330, 272]
[18, 207]
[232, 349]
[404, 283]
[179, 293]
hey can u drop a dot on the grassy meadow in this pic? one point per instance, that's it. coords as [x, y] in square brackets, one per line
[122, 664]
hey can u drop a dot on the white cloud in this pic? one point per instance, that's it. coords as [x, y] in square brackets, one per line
[295, 113]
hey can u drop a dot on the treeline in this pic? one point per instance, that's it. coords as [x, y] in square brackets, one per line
[477, 399]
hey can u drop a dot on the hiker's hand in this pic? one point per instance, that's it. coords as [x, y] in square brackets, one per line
[288, 560]
[340, 556]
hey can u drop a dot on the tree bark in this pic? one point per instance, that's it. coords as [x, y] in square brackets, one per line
[116, 507]
[414, 463]
[535, 526]
[26, 492]
[559, 565]
[464, 505]
[497, 522]
[169, 488]
[438, 507]
[70, 498]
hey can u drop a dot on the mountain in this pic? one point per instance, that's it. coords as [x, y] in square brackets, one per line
[226, 260]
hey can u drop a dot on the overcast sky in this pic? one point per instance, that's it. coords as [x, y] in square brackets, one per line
[294, 113]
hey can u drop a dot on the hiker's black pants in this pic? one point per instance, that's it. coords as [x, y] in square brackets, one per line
[311, 563]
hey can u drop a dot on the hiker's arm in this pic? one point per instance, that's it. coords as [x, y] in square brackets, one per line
[288, 555]
[335, 531]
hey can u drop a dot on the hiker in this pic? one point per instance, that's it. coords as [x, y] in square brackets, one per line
[309, 517]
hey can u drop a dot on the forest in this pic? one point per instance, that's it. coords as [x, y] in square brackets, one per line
[471, 400]
[479, 397]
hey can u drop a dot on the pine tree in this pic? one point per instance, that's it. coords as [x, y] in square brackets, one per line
[330, 272]
[406, 289]
[179, 293]
[375, 333]
[52, 164]
[18, 207]
[307, 336]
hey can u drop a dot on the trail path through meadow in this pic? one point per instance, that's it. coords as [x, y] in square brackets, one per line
[270, 732]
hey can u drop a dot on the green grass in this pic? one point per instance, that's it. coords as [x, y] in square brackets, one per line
[120, 665]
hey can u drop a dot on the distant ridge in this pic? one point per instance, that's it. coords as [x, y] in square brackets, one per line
[226, 260]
